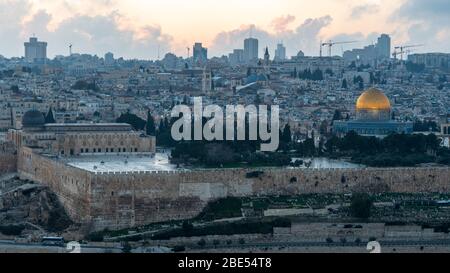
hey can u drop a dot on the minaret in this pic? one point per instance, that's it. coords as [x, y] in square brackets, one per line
[267, 57]
[207, 80]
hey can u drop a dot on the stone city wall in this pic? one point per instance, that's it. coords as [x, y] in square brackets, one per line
[8, 163]
[120, 200]
[8, 158]
[71, 185]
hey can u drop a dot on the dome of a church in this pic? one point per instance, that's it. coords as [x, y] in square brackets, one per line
[33, 118]
[373, 99]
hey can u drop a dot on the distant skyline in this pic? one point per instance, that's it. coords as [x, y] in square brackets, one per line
[136, 28]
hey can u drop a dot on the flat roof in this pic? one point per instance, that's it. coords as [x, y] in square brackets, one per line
[86, 124]
[91, 127]
[121, 163]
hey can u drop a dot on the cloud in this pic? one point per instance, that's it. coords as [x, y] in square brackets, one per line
[280, 24]
[426, 22]
[304, 37]
[11, 15]
[100, 34]
[97, 26]
[429, 9]
[368, 9]
[96, 34]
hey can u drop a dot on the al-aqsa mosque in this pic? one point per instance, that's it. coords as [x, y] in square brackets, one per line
[373, 117]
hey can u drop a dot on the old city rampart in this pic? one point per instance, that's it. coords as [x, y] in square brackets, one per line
[118, 200]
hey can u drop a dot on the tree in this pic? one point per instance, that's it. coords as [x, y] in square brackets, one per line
[286, 137]
[337, 115]
[187, 227]
[361, 205]
[317, 75]
[216, 243]
[150, 125]
[84, 85]
[201, 243]
[136, 122]
[344, 84]
[413, 67]
[179, 248]
[361, 85]
[49, 117]
[15, 89]
[126, 248]
[309, 148]
[360, 81]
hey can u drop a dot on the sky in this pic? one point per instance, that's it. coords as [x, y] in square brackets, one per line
[143, 28]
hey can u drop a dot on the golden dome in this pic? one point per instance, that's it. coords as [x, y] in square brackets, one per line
[373, 99]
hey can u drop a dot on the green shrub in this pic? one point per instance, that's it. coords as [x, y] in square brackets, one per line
[12, 230]
[361, 206]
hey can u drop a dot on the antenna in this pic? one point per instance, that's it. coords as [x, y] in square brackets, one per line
[321, 44]
[158, 50]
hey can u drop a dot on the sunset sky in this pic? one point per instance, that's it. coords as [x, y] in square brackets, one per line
[136, 28]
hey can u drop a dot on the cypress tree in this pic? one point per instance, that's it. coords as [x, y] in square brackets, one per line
[49, 117]
[150, 126]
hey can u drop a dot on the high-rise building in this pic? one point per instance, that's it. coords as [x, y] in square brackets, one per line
[237, 57]
[384, 46]
[280, 53]
[250, 49]
[35, 51]
[109, 58]
[431, 60]
[200, 54]
[371, 53]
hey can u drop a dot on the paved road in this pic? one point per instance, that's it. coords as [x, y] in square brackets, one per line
[12, 246]
[385, 243]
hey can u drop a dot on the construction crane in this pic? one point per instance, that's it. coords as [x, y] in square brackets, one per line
[330, 44]
[159, 48]
[401, 50]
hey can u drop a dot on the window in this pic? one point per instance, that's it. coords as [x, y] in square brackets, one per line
[81, 150]
[107, 150]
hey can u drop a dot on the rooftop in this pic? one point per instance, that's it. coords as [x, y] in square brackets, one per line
[122, 163]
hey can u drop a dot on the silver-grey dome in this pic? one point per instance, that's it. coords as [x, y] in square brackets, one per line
[33, 118]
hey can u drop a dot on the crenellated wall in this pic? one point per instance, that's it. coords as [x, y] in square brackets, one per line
[120, 200]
